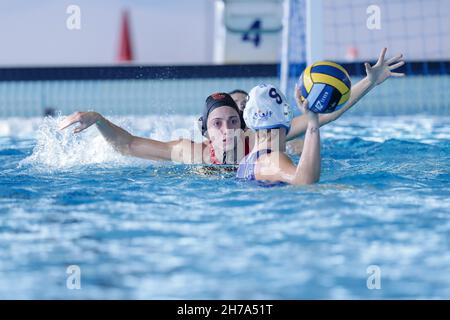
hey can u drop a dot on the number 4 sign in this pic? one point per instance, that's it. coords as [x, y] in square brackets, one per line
[254, 33]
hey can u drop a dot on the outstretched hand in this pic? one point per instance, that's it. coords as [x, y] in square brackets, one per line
[382, 69]
[85, 119]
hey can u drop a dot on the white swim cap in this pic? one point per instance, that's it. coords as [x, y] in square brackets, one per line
[267, 108]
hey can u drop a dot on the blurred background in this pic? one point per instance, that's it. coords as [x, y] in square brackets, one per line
[128, 57]
[161, 32]
[211, 31]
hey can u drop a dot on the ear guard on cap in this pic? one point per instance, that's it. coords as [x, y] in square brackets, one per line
[200, 125]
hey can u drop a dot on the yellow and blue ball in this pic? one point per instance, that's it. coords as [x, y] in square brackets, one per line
[326, 85]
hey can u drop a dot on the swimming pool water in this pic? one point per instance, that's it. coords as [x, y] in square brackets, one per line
[144, 230]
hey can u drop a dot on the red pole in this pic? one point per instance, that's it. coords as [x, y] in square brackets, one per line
[125, 48]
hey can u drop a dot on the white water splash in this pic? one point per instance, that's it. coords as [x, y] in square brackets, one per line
[56, 149]
[62, 149]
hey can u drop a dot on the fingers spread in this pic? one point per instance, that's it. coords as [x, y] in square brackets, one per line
[397, 65]
[382, 55]
[397, 74]
[395, 59]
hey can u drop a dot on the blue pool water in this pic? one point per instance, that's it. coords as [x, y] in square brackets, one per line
[144, 230]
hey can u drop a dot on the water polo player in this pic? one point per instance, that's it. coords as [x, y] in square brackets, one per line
[269, 115]
[221, 123]
[240, 97]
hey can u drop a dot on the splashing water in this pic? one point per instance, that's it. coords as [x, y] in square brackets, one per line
[62, 149]
[140, 229]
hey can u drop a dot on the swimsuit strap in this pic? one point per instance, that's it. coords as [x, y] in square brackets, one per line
[246, 168]
[247, 146]
[260, 153]
[212, 154]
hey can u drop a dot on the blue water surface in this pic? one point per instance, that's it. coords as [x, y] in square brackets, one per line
[145, 230]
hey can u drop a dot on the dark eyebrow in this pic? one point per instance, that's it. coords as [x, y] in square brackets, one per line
[223, 118]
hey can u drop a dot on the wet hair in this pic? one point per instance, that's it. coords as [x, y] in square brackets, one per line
[238, 91]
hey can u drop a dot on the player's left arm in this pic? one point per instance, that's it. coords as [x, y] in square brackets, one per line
[375, 75]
